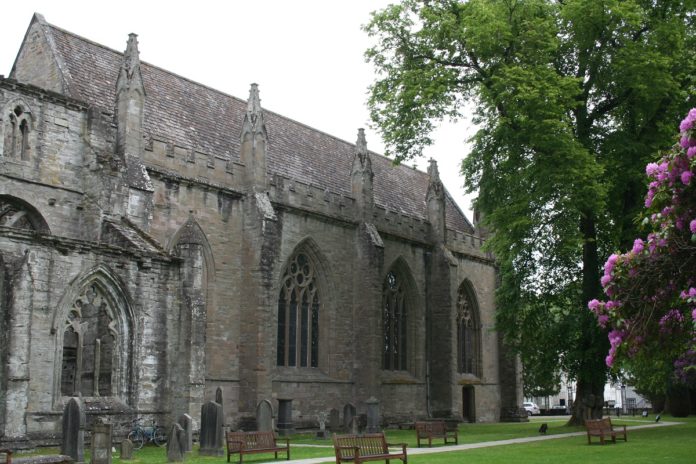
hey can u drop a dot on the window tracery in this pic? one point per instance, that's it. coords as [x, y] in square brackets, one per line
[468, 334]
[394, 323]
[90, 335]
[17, 129]
[298, 315]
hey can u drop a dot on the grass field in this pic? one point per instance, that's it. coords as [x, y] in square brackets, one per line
[671, 444]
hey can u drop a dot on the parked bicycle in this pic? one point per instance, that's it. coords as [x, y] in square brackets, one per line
[142, 434]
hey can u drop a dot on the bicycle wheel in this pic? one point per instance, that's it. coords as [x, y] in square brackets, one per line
[136, 437]
[159, 437]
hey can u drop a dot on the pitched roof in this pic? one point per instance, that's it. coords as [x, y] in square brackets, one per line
[189, 114]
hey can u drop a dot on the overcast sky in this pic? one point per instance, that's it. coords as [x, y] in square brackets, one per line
[306, 56]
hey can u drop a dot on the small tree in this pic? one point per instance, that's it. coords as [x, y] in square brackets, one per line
[651, 289]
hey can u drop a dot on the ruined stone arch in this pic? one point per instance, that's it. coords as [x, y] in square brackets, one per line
[303, 317]
[95, 328]
[402, 316]
[190, 361]
[468, 331]
[19, 214]
[192, 233]
[17, 130]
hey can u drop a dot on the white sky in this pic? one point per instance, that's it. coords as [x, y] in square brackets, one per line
[306, 56]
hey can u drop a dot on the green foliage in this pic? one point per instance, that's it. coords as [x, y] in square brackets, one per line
[572, 99]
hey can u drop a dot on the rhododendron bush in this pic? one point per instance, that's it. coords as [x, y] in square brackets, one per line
[650, 310]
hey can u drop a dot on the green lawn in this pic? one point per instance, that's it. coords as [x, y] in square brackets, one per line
[673, 444]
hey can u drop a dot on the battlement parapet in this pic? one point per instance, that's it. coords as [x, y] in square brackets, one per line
[468, 244]
[191, 162]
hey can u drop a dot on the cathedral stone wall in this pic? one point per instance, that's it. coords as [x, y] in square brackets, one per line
[148, 261]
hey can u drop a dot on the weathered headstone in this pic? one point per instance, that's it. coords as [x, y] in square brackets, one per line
[186, 423]
[285, 424]
[264, 416]
[101, 443]
[322, 417]
[334, 420]
[73, 443]
[218, 400]
[176, 444]
[211, 429]
[126, 450]
[373, 416]
[354, 427]
[348, 415]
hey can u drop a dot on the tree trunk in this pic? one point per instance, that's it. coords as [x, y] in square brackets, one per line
[592, 370]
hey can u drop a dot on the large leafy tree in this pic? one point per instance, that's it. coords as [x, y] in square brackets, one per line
[571, 97]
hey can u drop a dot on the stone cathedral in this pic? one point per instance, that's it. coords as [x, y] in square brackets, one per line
[161, 240]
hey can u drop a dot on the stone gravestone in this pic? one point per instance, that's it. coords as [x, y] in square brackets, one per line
[211, 429]
[322, 417]
[186, 423]
[334, 421]
[176, 444]
[348, 415]
[126, 450]
[218, 400]
[264, 416]
[101, 443]
[373, 417]
[285, 424]
[354, 426]
[73, 443]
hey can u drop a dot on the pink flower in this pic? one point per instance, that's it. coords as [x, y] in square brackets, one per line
[692, 226]
[693, 314]
[688, 122]
[651, 169]
[691, 152]
[603, 319]
[686, 177]
[609, 360]
[606, 278]
[593, 305]
[611, 262]
[638, 246]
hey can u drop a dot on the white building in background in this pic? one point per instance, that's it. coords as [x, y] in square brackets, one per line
[616, 395]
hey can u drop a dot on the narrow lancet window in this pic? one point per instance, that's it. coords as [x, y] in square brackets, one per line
[468, 334]
[394, 323]
[16, 144]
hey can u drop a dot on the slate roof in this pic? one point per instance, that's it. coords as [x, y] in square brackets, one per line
[191, 115]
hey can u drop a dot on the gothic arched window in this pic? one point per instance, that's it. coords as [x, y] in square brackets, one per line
[17, 134]
[298, 315]
[90, 336]
[468, 333]
[394, 323]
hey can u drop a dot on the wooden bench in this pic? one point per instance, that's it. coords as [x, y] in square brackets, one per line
[434, 429]
[38, 459]
[367, 447]
[603, 428]
[254, 442]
